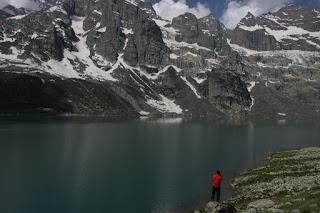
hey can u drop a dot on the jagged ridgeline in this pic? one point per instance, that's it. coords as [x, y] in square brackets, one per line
[120, 58]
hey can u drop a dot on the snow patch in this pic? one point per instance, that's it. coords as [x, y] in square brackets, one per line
[173, 56]
[191, 54]
[172, 44]
[18, 17]
[165, 105]
[98, 12]
[155, 76]
[65, 69]
[191, 87]
[169, 34]
[57, 8]
[133, 2]
[297, 57]
[290, 33]
[251, 28]
[102, 30]
[252, 84]
[127, 31]
[144, 113]
[199, 80]
[282, 114]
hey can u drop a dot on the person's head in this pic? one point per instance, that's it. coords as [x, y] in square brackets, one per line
[218, 172]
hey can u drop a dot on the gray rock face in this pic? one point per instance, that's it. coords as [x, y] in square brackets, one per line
[117, 27]
[291, 28]
[146, 6]
[49, 94]
[207, 31]
[228, 90]
[188, 27]
[76, 7]
[197, 45]
[256, 40]
[284, 66]
[150, 46]
[40, 35]
[46, 4]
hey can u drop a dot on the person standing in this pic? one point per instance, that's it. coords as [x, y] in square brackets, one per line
[216, 185]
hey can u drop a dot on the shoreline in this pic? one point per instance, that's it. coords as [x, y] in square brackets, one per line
[289, 181]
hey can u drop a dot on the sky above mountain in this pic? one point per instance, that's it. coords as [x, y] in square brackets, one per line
[230, 12]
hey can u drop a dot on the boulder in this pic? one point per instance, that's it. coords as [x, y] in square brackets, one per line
[215, 207]
[261, 204]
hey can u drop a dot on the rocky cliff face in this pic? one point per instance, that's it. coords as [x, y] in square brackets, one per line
[281, 53]
[290, 28]
[119, 57]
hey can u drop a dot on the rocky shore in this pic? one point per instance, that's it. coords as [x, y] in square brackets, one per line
[288, 182]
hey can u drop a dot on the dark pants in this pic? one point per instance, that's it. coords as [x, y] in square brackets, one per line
[214, 192]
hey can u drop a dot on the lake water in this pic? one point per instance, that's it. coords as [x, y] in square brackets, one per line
[70, 165]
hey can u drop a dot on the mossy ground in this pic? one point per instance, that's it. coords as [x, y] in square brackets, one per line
[290, 179]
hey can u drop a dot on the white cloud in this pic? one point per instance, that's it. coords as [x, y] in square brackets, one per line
[168, 9]
[29, 4]
[238, 9]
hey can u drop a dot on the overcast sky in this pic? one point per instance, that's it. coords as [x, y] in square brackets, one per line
[229, 11]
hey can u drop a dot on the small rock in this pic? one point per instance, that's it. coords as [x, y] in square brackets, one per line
[314, 205]
[274, 210]
[215, 207]
[296, 211]
[252, 210]
[261, 204]
[298, 200]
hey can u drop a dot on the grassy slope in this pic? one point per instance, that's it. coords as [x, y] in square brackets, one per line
[290, 179]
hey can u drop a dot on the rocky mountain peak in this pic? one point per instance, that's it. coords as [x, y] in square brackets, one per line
[248, 20]
[214, 26]
[204, 31]
[10, 11]
[186, 16]
[290, 7]
[209, 19]
[290, 28]
[249, 16]
[146, 5]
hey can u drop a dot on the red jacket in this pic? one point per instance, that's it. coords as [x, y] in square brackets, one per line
[216, 180]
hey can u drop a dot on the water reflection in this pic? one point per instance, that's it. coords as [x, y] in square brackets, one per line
[134, 166]
[163, 120]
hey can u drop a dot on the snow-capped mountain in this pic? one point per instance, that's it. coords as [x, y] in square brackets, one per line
[11, 11]
[281, 52]
[291, 28]
[120, 58]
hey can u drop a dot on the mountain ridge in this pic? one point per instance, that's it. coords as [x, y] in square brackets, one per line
[187, 66]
